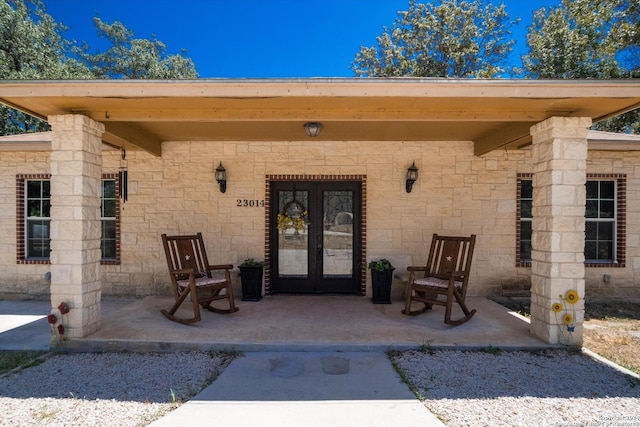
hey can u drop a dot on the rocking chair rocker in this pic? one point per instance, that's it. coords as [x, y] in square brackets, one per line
[446, 273]
[191, 274]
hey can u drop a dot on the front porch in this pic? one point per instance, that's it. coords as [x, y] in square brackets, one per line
[305, 323]
[468, 137]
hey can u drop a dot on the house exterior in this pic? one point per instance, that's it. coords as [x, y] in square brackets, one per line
[511, 161]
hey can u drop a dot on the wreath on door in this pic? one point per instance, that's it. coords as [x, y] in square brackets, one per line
[294, 215]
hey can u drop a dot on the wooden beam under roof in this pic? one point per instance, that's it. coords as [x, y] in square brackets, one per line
[127, 134]
[513, 134]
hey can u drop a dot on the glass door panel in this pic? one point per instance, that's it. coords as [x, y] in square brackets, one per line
[293, 234]
[337, 254]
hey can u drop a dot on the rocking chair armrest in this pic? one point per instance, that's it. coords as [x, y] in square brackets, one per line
[457, 275]
[221, 267]
[417, 268]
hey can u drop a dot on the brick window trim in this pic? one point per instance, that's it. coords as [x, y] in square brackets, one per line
[363, 183]
[20, 219]
[621, 219]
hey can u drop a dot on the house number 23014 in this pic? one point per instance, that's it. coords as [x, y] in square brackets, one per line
[250, 203]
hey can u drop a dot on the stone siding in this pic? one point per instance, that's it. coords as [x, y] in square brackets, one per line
[456, 193]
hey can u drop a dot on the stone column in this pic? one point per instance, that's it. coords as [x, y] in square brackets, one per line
[557, 256]
[76, 172]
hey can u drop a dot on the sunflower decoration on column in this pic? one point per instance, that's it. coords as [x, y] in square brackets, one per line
[571, 298]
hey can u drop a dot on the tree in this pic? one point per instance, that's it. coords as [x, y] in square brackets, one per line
[32, 46]
[134, 58]
[581, 39]
[444, 38]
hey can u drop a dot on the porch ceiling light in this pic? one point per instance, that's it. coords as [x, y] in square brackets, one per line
[412, 176]
[312, 129]
[221, 177]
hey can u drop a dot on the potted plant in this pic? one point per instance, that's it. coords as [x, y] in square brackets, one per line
[251, 278]
[381, 278]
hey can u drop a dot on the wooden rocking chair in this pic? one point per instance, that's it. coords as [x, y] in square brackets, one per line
[446, 273]
[192, 275]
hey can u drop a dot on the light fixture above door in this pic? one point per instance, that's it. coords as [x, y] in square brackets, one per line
[312, 129]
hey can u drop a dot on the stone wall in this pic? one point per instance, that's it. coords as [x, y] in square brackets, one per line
[456, 193]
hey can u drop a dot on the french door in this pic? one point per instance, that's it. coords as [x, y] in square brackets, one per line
[315, 237]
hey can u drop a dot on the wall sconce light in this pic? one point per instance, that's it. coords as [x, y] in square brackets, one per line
[221, 177]
[412, 176]
[312, 129]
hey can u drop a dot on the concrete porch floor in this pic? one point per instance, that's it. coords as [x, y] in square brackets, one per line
[304, 323]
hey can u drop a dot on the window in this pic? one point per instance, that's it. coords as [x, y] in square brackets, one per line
[600, 221]
[38, 219]
[108, 241]
[605, 217]
[33, 219]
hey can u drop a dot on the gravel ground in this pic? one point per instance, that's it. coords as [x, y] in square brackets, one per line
[100, 389]
[550, 388]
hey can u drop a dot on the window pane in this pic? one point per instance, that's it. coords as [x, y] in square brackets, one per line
[607, 209]
[33, 189]
[592, 209]
[525, 209]
[592, 189]
[525, 240]
[526, 189]
[109, 208]
[607, 190]
[34, 208]
[605, 251]
[590, 250]
[38, 239]
[108, 249]
[605, 231]
[108, 229]
[599, 240]
[108, 241]
[109, 189]
[46, 208]
[591, 230]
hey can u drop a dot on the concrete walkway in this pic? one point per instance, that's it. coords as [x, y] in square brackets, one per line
[291, 389]
[23, 325]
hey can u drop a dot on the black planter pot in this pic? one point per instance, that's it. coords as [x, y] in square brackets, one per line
[381, 286]
[251, 278]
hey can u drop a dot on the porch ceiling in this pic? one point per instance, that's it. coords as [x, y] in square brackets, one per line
[491, 113]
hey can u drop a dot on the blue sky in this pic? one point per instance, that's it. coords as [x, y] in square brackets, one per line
[259, 38]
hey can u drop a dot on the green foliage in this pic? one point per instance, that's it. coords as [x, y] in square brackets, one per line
[427, 348]
[444, 38]
[577, 39]
[10, 360]
[581, 39]
[32, 46]
[250, 262]
[492, 350]
[380, 265]
[130, 58]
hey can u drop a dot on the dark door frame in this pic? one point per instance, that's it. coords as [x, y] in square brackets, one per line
[361, 179]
